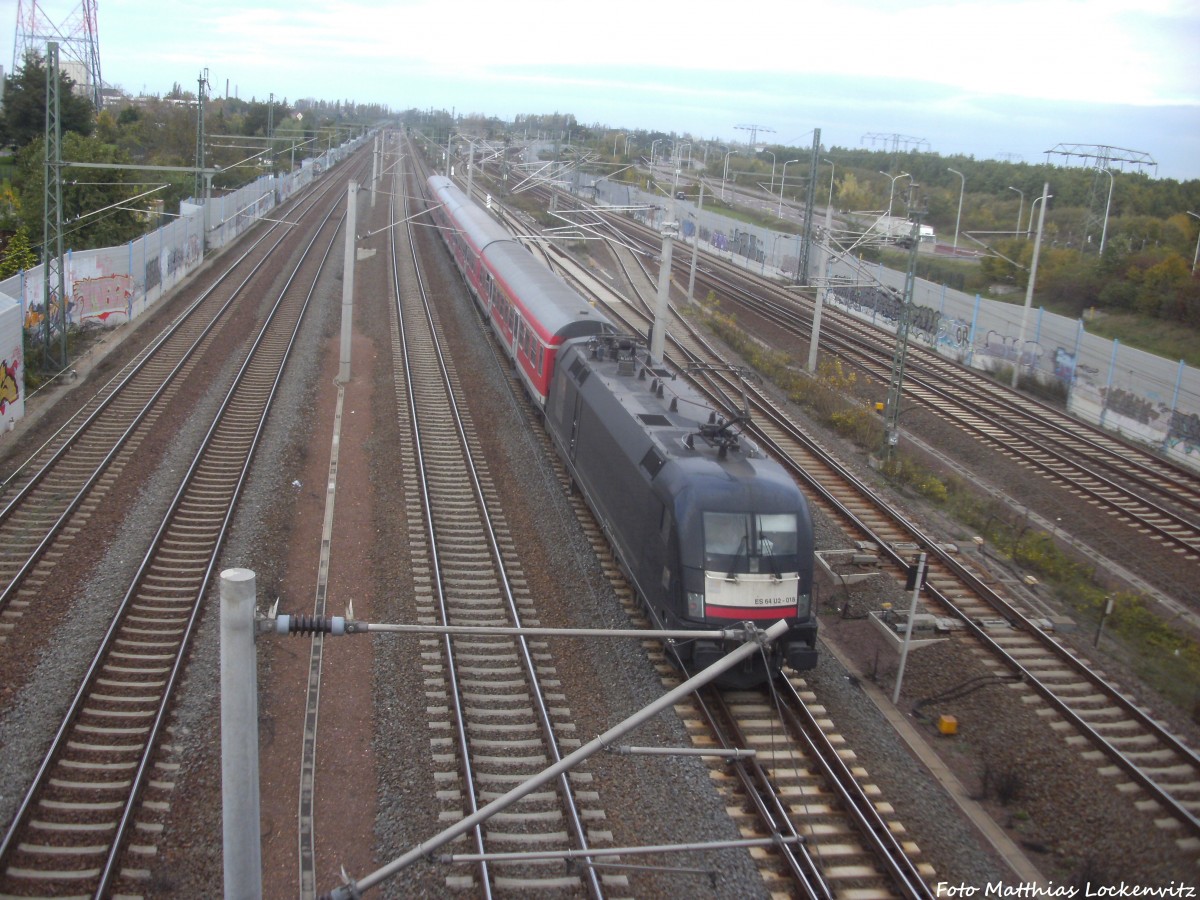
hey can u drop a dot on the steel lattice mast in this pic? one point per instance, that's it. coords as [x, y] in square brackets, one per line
[55, 292]
[1103, 159]
[78, 38]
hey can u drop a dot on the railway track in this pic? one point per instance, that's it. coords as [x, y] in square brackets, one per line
[1131, 742]
[802, 773]
[50, 496]
[1159, 500]
[846, 843]
[88, 822]
[496, 718]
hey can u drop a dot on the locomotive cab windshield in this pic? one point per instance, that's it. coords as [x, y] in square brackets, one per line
[746, 543]
[752, 567]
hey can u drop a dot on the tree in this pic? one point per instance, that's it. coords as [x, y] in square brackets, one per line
[91, 211]
[18, 255]
[24, 116]
[1160, 284]
[850, 194]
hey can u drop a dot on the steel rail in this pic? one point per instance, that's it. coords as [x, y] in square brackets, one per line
[982, 591]
[868, 342]
[115, 392]
[965, 395]
[215, 440]
[758, 790]
[1003, 607]
[871, 824]
[565, 790]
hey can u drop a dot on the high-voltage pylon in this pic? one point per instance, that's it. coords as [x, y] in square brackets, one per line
[754, 130]
[1102, 159]
[77, 36]
[897, 142]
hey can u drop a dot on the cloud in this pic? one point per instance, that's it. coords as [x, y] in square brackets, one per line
[1074, 50]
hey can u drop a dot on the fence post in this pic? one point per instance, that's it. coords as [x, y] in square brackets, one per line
[1112, 368]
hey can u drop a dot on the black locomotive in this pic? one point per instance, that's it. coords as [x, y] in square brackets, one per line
[709, 530]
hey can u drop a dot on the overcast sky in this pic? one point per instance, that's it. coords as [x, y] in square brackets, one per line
[993, 78]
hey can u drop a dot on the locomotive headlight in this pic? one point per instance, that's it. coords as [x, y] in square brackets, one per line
[695, 604]
[803, 605]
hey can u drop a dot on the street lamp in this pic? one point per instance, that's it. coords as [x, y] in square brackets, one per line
[725, 173]
[962, 190]
[1195, 255]
[616, 137]
[1107, 207]
[892, 192]
[1032, 209]
[1020, 208]
[782, 182]
[774, 245]
[832, 169]
[676, 151]
[653, 144]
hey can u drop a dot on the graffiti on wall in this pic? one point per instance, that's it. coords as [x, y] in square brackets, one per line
[105, 299]
[746, 244]
[1185, 430]
[1129, 405]
[35, 314]
[888, 305]
[924, 319]
[1064, 365]
[10, 386]
[153, 273]
[1001, 346]
[191, 252]
[175, 261]
[954, 334]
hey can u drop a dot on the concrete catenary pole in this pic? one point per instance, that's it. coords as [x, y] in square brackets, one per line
[695, 248]
[239, 738]
[1037, 246]
[814, 344]
[374, 168]
[662, 308]
[348, 282]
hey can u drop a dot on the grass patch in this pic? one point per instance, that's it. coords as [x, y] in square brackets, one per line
[1165, 659]
[824, 395]
[1172, 340]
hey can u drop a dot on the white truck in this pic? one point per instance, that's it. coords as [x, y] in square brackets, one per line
[899, 230]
